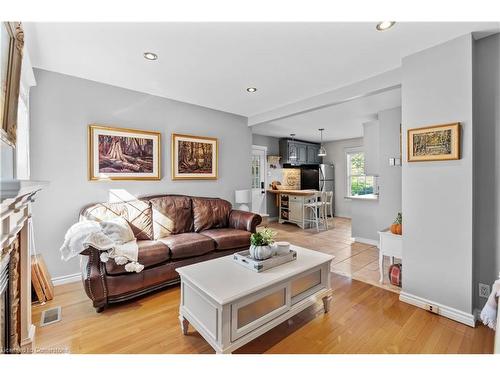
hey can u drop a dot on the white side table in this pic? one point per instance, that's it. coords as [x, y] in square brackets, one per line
[391, 245]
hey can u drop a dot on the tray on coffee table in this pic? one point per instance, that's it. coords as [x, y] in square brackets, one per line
[243, 258]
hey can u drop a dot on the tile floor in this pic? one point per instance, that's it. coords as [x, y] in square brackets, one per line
[353, 259]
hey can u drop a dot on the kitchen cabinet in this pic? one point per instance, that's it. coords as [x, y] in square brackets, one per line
[312, 154]
[306, 152]
[302, 153]
[291, 208]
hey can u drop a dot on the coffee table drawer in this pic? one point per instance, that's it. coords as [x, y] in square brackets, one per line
[251, 312]
[308, 283]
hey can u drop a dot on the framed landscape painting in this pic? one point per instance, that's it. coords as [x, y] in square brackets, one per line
[123, 154]
[438, 142]
[194, 158]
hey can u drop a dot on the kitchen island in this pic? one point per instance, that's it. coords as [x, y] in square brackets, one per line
[290, 205]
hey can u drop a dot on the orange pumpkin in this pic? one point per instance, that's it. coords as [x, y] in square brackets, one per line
[397, 229]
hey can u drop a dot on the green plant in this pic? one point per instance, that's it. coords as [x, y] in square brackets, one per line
[263, 238]
[399, 219]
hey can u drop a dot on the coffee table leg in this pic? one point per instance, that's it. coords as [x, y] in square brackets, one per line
[184, 325]
[326, 303]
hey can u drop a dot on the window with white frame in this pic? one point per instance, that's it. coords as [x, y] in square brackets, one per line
[357, 182]
[256, 171]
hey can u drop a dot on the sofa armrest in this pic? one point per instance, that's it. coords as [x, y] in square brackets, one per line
[244, 220]
[94, 278]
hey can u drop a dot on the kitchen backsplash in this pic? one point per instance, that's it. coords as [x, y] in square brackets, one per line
[291, 178]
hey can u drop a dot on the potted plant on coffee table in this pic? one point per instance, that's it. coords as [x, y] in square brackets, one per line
[261, 244]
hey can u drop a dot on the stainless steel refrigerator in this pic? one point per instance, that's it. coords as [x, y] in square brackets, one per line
[326, 177]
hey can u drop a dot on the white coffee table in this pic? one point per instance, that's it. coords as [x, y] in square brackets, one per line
[230, 305]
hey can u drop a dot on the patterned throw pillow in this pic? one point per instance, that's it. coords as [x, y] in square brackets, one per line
[137, 213]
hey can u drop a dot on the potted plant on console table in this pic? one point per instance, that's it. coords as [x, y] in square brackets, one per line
[260, 244]
[397, 226]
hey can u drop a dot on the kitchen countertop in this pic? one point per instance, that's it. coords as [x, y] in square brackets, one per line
[292, 192]
[366, 197]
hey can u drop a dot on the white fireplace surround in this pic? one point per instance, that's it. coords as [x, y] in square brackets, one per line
[16, 198]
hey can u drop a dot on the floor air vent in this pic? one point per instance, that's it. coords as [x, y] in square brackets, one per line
[50, 316]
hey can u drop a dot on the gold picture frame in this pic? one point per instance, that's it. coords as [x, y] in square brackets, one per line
[434, 143]
[123, 154]
[12, 43]
[200, 157]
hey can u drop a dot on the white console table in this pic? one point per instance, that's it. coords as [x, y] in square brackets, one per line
[391, 245]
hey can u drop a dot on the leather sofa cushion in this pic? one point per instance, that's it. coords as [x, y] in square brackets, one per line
[186, 245]
[228, 238]
[172, 214]
[138, 214]
[210, 213]
[151, 253]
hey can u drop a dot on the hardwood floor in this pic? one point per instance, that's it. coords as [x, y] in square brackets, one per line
[362, 319]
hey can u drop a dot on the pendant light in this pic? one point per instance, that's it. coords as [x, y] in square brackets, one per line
[293, 149]
[322, 150]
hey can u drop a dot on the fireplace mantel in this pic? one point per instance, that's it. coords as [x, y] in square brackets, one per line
[12, 189]
[16, 197]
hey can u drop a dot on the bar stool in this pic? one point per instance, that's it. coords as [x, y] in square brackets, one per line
[318, 207]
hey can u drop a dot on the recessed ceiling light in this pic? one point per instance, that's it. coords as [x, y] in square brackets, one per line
[150, 56]
[384, 25]
[251, 89]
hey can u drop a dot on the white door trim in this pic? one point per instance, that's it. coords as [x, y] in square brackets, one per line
[263, 148]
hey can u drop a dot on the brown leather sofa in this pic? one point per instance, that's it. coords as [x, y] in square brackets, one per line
[171, 231]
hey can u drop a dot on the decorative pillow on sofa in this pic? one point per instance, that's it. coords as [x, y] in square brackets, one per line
[171, 215]
[137, 213]
[210, 213]
[118, 230]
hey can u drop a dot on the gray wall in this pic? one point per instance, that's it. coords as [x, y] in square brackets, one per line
[61, 109]
[389, 180]
[335, 153]
[368, 217]
[486, 162]
[272, 144]
[364, 215]
[437, 196]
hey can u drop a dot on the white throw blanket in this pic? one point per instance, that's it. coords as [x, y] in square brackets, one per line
[89, 233]
[489, 312]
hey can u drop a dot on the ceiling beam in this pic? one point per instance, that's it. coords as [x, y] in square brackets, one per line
[387, 81]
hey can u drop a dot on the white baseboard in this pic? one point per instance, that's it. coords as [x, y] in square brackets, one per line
[343, 215]
[365, 240]
[60, 280]
[446, 311]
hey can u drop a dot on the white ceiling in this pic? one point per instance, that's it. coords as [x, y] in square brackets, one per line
[211, 64]
[340, 121]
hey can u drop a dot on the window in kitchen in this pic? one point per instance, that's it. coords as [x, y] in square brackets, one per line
[357, 182]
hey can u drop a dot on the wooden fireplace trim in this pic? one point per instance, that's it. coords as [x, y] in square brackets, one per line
[15, 216]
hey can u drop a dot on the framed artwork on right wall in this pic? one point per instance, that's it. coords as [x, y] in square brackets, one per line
[434, 143]
[194, 157]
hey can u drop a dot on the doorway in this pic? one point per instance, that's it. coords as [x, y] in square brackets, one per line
[259, 172]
